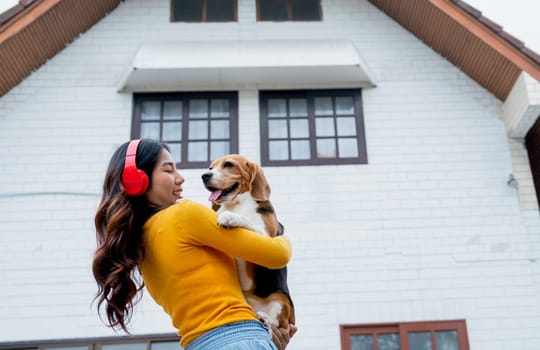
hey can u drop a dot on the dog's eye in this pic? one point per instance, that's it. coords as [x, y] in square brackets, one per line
[228, 165]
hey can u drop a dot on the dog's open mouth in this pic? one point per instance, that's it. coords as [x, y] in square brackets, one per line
[217, 194]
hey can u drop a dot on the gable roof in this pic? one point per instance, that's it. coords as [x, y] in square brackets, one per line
[35, 30]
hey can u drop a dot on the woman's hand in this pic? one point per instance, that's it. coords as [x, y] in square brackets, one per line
[281, 336]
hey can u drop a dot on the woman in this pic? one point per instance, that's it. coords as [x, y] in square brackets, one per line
[185, 259]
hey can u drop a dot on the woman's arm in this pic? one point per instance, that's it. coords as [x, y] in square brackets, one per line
[202, 228]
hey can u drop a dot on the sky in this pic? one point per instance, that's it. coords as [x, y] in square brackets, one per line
[520, 18]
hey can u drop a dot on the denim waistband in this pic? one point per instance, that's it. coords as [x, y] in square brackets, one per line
[222, 336]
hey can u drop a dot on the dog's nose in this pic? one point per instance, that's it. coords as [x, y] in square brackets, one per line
[206, 177]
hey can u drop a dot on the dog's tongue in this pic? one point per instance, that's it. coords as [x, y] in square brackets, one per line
[214, 195]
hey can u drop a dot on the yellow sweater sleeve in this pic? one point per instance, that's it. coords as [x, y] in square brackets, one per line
[273, 253]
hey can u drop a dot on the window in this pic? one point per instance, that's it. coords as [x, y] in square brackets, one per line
[203, 10]
[289, 10]
[151, 342]
[438, 335]
[312, 127]
[198, 127]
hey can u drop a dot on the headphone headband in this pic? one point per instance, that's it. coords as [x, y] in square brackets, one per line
[131, 153]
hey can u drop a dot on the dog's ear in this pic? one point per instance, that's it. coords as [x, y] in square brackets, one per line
[260, 189]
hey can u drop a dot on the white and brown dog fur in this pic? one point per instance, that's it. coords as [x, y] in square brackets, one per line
[240, 195]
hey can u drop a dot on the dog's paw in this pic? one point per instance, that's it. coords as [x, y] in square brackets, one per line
[229, 219]
[265, 319]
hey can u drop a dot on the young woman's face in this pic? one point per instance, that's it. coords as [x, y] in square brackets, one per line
[166, 186]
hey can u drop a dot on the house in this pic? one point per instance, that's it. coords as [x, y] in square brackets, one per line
[401, 139]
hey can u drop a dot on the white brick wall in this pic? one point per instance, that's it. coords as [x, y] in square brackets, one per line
[428, 230]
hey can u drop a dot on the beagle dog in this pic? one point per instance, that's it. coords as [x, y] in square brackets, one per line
[240, 195]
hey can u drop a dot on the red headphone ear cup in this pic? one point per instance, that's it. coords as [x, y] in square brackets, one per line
[135, 181]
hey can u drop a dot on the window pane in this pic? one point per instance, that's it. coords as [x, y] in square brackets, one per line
[198, 152]
[344, 105]
[218, 149]
[346, 126]
[300, 149]
[420, 341]
[176, 151]
[278, 150]
[298, 107]
[220, 10]
[388, 342]
[446, 340]
[323, 106]
[150, 131]
[198, 109]
[277, 129]
[324, 127]
[362, 342]
[273, 10]
[188, 10]
[277, 108]
[172, 110]
[305, 10]
[299, 128]
[172, 131]
[219, 129]
[198, 130]
[326, 148]
[150, 110]
[131, 346]
[166, 345]
[219, 108]
[66, 348]
[348, 148]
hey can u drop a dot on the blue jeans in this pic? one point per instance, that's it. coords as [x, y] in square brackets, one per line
[245, 335]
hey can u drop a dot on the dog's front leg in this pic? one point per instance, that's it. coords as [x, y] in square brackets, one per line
[229, 219]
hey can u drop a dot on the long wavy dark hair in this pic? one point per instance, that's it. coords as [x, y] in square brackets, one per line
[119, 221]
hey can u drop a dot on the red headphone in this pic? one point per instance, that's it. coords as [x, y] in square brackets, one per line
[134, 180]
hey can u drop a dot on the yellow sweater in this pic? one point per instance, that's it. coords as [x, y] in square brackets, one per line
[189, 269]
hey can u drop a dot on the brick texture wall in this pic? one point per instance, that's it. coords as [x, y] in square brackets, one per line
[427, 230]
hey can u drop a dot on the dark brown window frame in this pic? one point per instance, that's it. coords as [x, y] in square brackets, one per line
[138, 98]
[403, 328]
[204, 13]
[92, 343]
[310, 94]
[289, 14]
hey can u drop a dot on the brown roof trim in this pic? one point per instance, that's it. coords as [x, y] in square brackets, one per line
[14, 11]
[24, 17]
[38, 30]
[473, 43]
[491, 33]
